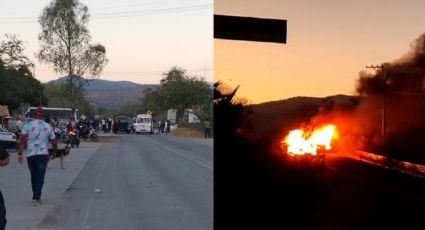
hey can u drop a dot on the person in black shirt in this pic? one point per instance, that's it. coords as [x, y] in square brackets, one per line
[4, 160]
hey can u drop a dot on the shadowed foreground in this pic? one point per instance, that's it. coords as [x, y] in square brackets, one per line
[257, 187]
[265, 191]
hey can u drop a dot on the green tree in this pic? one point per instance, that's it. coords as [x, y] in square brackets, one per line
[18, 86]
[203, 98]
[153, 101]
[180, 91]
[65, 43]
[12, 52]
[130, 109]
[60, 96]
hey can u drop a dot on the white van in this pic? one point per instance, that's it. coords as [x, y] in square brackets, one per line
[144, 124]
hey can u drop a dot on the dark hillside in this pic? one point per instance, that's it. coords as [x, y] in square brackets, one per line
[111, 94]
[270, 120]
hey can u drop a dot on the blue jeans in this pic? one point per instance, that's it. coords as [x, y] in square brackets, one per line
[207, 133]
[37, 165]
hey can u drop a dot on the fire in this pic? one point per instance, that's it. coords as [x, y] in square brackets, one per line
[300, 142]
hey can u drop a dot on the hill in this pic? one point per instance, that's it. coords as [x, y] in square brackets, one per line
[111, 94]
[100, 84]
[114, 98]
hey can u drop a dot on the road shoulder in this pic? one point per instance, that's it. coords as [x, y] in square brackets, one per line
[16, 186]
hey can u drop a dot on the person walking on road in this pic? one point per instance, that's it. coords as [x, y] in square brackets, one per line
[4, 160]
[36, 135]
[207, 129]
[167, 126]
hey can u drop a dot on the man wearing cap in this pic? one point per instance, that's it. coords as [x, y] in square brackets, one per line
[36, 135]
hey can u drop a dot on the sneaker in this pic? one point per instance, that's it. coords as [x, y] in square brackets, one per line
[34, 203]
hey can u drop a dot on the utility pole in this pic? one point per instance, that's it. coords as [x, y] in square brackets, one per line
[384, 72]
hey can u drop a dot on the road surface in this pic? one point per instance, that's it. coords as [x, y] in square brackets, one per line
[259, 190]
[141, 182]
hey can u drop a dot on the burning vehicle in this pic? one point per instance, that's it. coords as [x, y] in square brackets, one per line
[332, 129]
[313, 142]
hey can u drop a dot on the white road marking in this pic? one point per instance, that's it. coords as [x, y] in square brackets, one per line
[183, 155]
[83, 226]
[188, 158]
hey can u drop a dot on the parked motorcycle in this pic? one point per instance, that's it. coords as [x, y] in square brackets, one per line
[62, 135]
[92, 135]
[88, 133]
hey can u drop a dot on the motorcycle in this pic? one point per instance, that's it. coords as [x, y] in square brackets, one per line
[92, 135]
[62, 135]
[88, 134]
[73, 138]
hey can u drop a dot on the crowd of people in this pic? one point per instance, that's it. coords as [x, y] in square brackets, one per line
[164, 126]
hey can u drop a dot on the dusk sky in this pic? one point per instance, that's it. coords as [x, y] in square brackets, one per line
[143, 39]
[328, 44]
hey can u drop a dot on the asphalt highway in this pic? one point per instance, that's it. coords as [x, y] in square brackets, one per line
[365, 196]
[141, 182]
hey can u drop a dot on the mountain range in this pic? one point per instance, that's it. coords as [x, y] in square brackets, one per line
[111, 94]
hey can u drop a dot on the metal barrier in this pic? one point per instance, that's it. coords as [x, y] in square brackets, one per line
[385, 162]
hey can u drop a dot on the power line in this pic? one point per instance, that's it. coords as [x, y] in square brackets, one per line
[132, 6]
[149, 12]
[11, 20]
[145, 4]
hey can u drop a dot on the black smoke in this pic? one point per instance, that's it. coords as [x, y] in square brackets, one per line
[395, 94]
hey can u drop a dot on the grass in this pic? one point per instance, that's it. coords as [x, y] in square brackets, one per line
[187, 132]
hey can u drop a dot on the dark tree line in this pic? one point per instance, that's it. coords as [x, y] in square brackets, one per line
[177, 90]
[17, 83]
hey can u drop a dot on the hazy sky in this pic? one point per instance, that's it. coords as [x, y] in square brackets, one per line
[143, 39]
[328, 43]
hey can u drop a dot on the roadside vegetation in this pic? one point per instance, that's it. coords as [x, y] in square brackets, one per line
[18, 86]
[177, 90]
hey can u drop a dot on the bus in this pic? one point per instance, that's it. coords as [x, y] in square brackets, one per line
[62, 114]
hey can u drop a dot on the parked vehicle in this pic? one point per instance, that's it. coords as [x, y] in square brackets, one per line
[144, 124]
[62, 114]
[7, 139]
[122, 124]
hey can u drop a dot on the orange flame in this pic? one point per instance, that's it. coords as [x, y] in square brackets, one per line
[299, 142]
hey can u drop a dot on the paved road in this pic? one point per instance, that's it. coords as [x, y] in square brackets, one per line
[141, 182]
[264, 191]
[368, 195]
